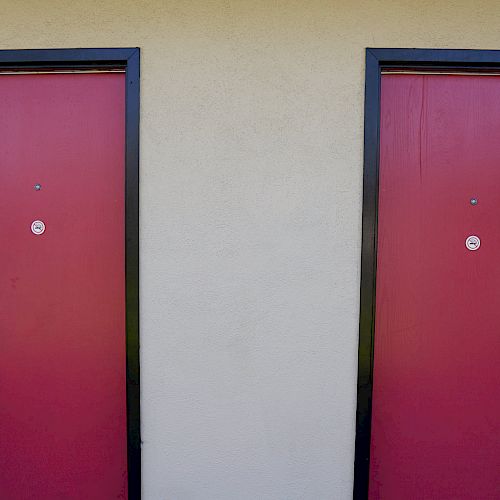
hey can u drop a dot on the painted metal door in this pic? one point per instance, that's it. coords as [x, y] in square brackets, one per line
[436, 405]
[62, 292]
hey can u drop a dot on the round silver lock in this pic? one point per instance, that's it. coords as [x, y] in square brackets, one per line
[38, 227]
[473, 243]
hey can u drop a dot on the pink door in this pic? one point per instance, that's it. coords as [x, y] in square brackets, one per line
[62, 287]
[436, 380]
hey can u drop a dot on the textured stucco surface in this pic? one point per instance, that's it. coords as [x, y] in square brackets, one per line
[251, 168]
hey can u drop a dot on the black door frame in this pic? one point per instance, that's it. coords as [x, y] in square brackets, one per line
[377, 61]
[128, 60]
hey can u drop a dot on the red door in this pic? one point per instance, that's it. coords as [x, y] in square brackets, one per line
[436, 405]
[62, 293]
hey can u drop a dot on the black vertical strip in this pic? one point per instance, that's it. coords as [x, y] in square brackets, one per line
[132, 273]
[368, 273]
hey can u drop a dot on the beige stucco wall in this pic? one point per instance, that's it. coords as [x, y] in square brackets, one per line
[251, 168]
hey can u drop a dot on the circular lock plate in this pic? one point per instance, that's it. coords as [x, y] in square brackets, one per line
[38, 227]
[473, 243]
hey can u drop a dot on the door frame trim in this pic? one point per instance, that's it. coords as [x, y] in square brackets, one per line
[128, 60]
[380, 60]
